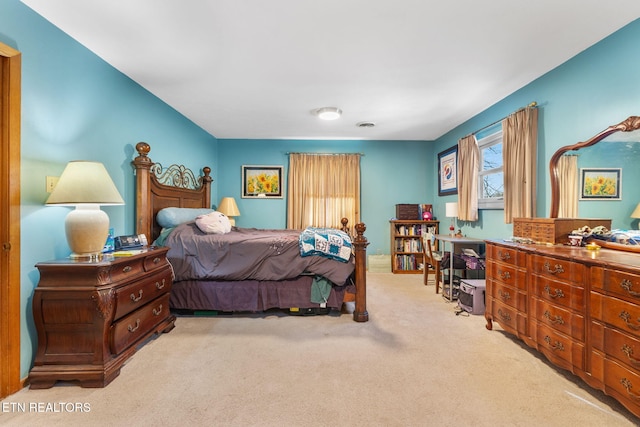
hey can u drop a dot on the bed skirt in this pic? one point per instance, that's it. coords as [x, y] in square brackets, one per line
[250, 295]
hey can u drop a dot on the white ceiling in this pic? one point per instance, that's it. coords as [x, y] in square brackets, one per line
[257, 68]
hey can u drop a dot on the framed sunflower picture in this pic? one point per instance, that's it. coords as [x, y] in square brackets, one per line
[600, 184]
[261, 182]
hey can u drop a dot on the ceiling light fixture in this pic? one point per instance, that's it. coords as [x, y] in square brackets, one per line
[328, 113]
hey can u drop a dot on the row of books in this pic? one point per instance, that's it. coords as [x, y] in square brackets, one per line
[406, 262]
[415, 229]
[408, 245]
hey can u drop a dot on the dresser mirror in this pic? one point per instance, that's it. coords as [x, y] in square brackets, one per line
[615, 153]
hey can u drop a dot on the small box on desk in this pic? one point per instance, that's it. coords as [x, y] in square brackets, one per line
[407, 211]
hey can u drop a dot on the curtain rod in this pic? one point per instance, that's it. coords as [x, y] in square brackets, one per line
[533, 104]
[325, 154]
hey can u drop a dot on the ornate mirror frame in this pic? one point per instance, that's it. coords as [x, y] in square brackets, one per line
[630, 124]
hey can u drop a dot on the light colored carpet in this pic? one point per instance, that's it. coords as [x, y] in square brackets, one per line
[415, 363]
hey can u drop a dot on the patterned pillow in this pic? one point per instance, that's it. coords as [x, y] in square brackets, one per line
[327, 242]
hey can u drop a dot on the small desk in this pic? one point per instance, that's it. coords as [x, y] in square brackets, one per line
[453, 241]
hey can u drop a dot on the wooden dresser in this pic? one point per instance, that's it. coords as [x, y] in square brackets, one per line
[579, 308]
[91, 315]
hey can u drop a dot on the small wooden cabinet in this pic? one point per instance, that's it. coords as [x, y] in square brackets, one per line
[407, 255]
[92, 315]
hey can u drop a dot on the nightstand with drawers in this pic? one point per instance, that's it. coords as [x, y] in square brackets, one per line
[92, 315]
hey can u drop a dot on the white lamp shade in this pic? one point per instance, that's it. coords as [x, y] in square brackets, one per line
[85, 182]
[636, 212]
[451, 210]
[85, 185]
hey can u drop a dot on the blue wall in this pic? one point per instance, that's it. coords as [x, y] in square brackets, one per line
[595, 89]
[392, 172]
[75, 106]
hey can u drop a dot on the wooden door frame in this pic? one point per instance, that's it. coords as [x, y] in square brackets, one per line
[10, 98]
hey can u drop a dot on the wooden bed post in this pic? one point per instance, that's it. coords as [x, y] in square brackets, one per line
[360, 243]
[143, 164]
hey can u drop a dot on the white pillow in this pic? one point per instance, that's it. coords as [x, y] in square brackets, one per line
[213, 223]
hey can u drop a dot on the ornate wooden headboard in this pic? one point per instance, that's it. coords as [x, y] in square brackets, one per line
[158, 188]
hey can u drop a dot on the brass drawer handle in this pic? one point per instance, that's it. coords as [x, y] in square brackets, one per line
[504, 275]
[627, 285]
[628, 386]
[127, 269]
[558, 268]
[160, 285]
[158, 311]
[156, 260]
[557, 294]
[504, 256]
[504, 295]
[505, 316]
[555, 319]
[628, 351]
[134, 328]
[555, 346]
[627, 319]
[138, 298]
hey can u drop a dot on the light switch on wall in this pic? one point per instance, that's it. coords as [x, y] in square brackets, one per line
[52, 181]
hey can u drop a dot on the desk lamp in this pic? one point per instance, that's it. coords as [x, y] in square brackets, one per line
[451, 211]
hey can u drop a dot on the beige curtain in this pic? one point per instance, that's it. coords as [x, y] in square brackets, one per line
[520, 152]
[468, 164]
[323, 189]
[568, 176]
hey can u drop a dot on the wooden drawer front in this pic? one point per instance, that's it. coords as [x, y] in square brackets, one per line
[558, 269]
[131, 328]
[559, 293]
[624, 285]
[126, 270]
[506, 255]
[560, 319]
[134, 296]
[560, 348]
[157, 260]
[622, 384]
[507, 274]
[622, 347]
[613, 311]
[508, 317]
[509, 296]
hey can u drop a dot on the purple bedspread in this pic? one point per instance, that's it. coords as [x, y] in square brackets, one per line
[246, 253]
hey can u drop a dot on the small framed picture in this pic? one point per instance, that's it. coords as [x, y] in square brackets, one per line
[448, 171]
[261, 181]
[600, 184]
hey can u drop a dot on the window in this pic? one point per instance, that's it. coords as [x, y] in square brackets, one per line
[491, 175]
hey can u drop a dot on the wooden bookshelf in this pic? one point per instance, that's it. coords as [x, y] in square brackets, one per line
[407, 254]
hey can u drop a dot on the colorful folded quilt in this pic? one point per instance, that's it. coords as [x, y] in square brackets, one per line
[326, 242]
